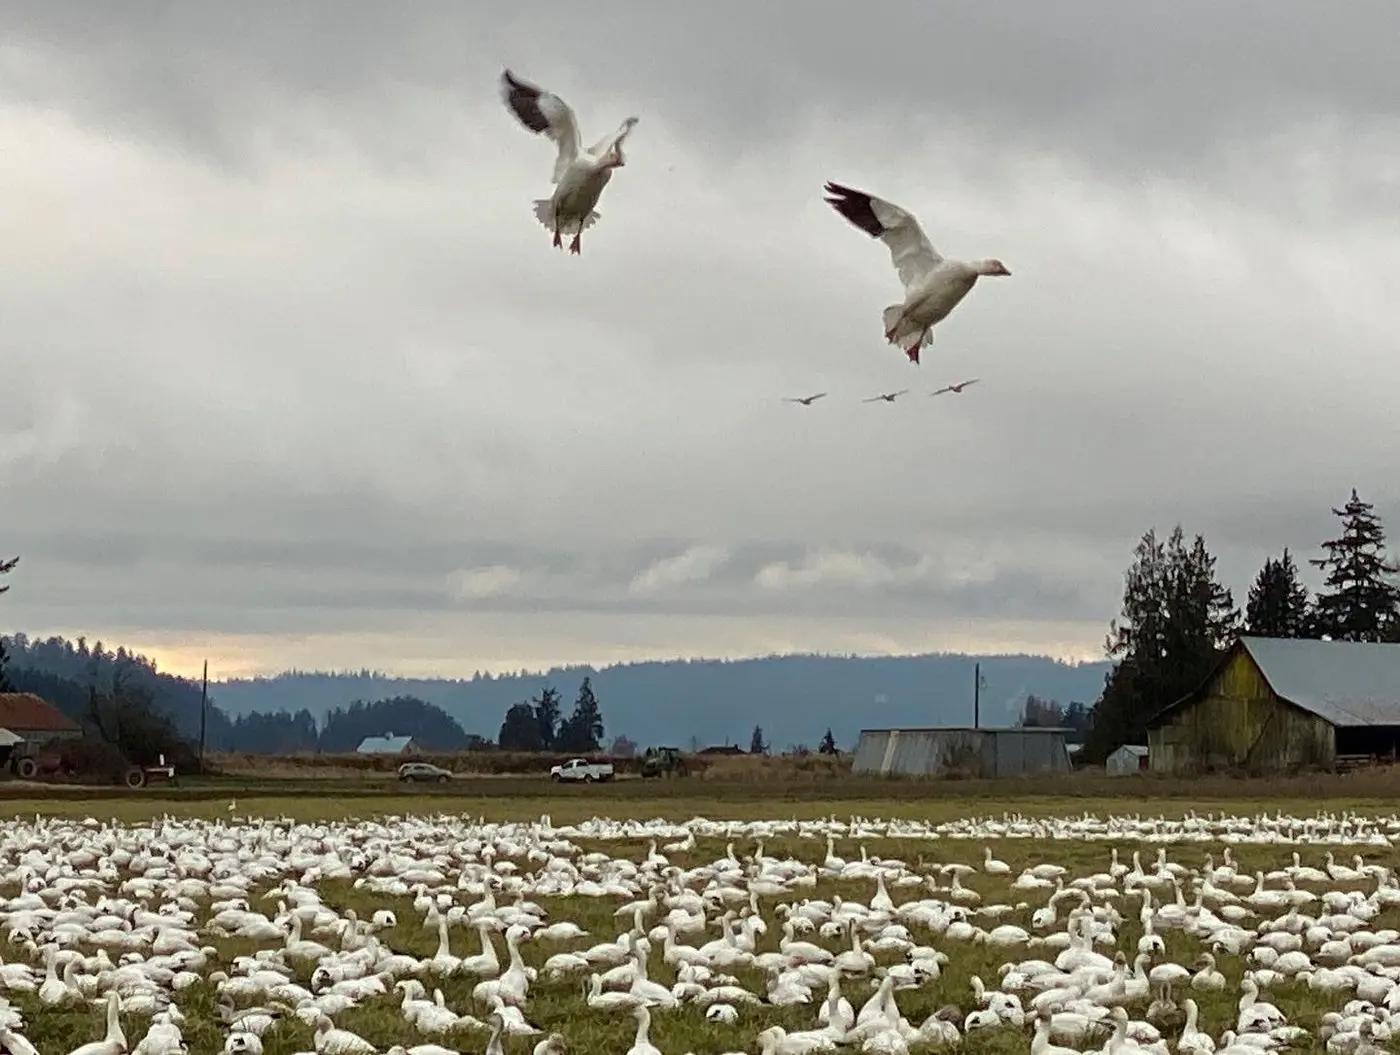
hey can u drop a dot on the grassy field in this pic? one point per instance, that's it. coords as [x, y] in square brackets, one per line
[571, 805]
[739, 792]
[557, 1004]
[740, 788]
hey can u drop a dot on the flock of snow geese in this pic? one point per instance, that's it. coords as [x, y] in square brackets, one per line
[933, 284]
[253, 924]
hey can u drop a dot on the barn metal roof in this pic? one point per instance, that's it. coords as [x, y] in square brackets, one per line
[1346, 683]
[383, 745]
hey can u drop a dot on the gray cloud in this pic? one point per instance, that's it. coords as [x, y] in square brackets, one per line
[286, 353]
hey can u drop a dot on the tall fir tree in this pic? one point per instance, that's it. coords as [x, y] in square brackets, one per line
[546, 706]
[828, 744]
[1358, 600]
[583, 729]
[757, 745]
[6, 566]
[1278, 603]
[520, 729]
[1175, 619]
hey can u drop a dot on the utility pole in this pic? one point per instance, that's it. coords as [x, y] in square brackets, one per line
[977, 696]
[203, 715]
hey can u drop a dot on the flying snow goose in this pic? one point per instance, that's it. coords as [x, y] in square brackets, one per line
[806, 401]
[886, 397]
[579, 175]
[955, 389]
[933, 285]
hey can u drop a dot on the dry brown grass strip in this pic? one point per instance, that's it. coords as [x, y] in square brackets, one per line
[1370, 782]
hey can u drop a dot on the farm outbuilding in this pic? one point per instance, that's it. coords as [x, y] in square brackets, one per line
[1129, 758]
[1272, 705]
[33, 720]
[962, 751]
[388, 744]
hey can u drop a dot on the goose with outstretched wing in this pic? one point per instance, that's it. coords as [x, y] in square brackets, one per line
[579, 175]
[933, 284]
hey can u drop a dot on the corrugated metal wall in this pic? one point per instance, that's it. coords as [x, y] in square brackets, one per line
[1240, 724]
[1016, 752]
[959, 752]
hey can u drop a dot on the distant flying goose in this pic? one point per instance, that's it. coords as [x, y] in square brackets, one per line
[579, 176]
[807, 401]
[888, 397]
[955, 388]
[933, 285]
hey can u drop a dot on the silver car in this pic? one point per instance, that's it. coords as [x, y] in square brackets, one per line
[424, 771]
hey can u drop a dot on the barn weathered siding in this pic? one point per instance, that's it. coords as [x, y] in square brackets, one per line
[961, 752]
[1238, 723]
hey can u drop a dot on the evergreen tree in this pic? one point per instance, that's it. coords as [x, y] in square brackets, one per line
[1278, 601]
[1175, 619]
[828, 744]
[1201, 617]
[1043, 713]
[1358, 600]
[6, 566]
[520, 730]
[547, 716]
[583, 729]
[757, 746]
[1079, 718]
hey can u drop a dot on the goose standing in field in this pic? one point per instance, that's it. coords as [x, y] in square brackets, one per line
[933, 284]
[114, 1043]
[579, 175]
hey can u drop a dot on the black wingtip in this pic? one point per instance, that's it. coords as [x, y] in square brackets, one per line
[855, 206]
[523, 98]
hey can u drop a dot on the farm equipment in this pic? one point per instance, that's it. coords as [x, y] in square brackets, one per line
[68, 761]
[664, 762]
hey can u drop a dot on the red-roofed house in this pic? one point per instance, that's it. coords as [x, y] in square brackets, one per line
[35, 720]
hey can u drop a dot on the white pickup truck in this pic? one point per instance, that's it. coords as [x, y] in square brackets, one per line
[579, 769]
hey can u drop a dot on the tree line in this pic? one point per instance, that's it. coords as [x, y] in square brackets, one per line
[1177, 617]
[32, 663]
[538, 724]
[1077, 717]
[345, 728]
[758, 745]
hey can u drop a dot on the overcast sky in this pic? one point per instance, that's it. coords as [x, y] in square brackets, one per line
[292, 375]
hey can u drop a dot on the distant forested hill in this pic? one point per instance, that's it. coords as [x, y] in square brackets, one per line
[62, 671]
[794, 698]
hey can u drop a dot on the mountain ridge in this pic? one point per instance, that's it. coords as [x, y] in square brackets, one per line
[793, 697]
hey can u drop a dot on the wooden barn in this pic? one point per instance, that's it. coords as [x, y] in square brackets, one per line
[1273, 705]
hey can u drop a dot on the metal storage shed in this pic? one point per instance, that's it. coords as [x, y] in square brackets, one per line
[962, 751]
[1127, 759]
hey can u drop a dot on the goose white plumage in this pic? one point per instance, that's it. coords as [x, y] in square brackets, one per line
[933, 284]
[117, 916]
[580, 175]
